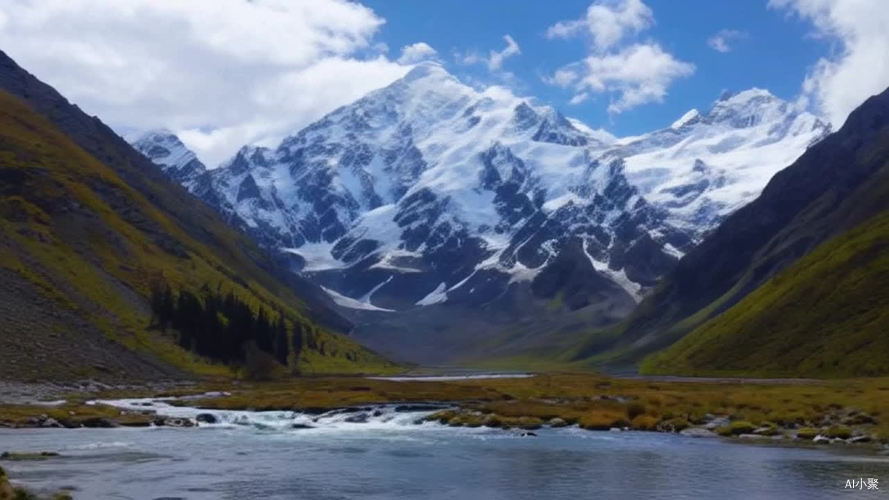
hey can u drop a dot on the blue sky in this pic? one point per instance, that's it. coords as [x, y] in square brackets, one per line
[225, 73]
[775, 52]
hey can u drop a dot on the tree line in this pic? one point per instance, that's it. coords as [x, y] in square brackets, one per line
[223, 327]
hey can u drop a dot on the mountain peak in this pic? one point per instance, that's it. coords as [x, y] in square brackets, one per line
[748, 108]
[166, 150]
[746, 96]
[427, 69]
[156, 134]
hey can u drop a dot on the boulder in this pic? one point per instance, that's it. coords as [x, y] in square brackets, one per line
[18, 456]
[557, 422]
[360, 418]
[717, 422]
[207, 418]
[766, 430]
[178, 422]
[864, 438]
[51, 422]
[162, 421]
[98, 422]
[697, 432]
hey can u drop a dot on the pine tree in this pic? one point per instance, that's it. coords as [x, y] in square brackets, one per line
[282, 346]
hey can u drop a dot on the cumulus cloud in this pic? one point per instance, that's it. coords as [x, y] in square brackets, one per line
[420, 51]
[638, 74]
[859, 68]
[221, 73]
[723, 40]
[494, 59]
[607, 22]
[633, 73]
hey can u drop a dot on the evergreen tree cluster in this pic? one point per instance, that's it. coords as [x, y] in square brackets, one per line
[221, 327]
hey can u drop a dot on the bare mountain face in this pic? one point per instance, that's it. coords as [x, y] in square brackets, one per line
[434, 213]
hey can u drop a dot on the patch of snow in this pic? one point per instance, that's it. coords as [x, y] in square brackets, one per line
[620, 277]
[435, 296]
[351, 303]
[686, 118]
[317, 256]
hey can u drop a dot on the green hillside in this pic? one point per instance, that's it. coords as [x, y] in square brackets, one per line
[828, 314]
[81, 250]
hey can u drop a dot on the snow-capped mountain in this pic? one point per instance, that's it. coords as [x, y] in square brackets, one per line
[175, 159]
[429, 192]
[705, 167]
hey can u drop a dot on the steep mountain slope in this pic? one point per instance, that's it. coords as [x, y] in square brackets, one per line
[434, 200]
[89, 227]
[828, 314]
[837, 185]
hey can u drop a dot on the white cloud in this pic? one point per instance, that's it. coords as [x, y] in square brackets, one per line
[639, 74]
[579, 98]
[223, 73]
[632, 73]
[860, 68]
[420, 51]
[495, 58]
[607, 22]
[722, 41]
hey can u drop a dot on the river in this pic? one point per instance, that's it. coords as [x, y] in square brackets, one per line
[381, 453]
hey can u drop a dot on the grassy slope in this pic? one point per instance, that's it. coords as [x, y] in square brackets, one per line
[92, 245]
[828, 314]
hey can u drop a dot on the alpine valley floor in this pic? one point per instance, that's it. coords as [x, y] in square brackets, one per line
[782, 410]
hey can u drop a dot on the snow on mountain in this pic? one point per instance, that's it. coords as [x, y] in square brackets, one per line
[704, 167]
[175, 159]
[429, 191]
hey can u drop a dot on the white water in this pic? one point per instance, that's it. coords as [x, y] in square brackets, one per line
[366, 417]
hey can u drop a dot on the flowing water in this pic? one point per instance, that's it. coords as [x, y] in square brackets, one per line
[382, 453]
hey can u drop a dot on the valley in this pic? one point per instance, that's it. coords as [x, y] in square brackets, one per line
[335, 249]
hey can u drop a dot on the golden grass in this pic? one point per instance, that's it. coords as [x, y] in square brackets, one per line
[590, 400]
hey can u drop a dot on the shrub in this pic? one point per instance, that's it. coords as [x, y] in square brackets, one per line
[807, 433]
[644, 423]
[674, 424]
[736, 428]
[634, 410]
[838, 431]
[603, 420]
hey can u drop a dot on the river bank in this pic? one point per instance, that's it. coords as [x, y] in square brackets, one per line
[823, 412]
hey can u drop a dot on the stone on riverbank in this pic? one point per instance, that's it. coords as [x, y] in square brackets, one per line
[17, 456]
[206, 418]
[697, 432]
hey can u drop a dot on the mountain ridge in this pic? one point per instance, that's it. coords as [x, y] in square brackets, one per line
[833, 188]
[429, 193]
